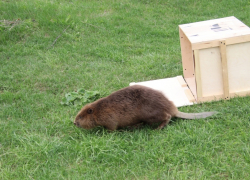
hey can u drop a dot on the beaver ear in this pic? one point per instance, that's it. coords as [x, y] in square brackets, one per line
[90, 111]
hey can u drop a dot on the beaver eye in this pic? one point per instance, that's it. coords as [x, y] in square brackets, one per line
[90, 111]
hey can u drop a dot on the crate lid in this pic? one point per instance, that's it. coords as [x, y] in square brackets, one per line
[216, 29]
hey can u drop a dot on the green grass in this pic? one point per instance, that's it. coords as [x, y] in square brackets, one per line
[49, 48]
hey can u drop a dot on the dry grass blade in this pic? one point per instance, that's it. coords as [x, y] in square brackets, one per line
[9, 24]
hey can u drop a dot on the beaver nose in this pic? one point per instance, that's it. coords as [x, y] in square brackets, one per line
[76, 123]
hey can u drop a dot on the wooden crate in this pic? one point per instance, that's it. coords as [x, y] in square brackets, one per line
[216, 58]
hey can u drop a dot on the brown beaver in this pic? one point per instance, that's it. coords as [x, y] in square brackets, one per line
[130, 106]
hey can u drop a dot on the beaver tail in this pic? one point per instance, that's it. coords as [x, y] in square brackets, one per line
[194, 115]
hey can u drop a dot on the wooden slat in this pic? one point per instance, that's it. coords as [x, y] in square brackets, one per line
[211, 98]
[219, 97]
[182, 81]
[189, 95]
[192, 86]
[198, 74]
[241, 94]
[231, 40]
[224, 69]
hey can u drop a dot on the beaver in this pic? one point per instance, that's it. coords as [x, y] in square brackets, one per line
[131, 106]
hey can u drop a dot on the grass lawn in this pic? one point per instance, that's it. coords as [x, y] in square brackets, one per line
[50, 47]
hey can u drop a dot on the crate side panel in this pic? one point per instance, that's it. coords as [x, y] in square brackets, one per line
[238, 57]
[211, 72]
[187, 56]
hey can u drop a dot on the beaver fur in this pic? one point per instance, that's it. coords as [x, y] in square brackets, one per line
[131, 106]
